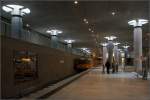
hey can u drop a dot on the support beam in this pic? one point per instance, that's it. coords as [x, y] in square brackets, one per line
[137, 24]
[110, 47]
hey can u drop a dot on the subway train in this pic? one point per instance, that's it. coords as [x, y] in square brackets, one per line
[82, 64]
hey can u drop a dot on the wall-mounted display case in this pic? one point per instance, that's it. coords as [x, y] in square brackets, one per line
[25, 66]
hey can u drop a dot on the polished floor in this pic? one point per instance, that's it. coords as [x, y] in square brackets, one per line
[97, 86]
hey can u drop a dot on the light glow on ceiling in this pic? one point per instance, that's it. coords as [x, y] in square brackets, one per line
[85, 20]
[27, 25]
[16, 9]
[75, 2]
[89, 29]
[7, 9]
[104, 44]
[86, 50]
[110, 38]
[69, 41]
[54, 32]
[26, 10]
[15, 6]
[113, 13]
[126, 47]
[116, 43]
[138, 22]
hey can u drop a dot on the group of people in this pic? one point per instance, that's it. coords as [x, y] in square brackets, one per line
[110, 65]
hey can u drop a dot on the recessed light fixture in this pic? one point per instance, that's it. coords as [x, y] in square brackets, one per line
[138, 22]
[113, 13]
[126, 47]
[75, 2]
[86, 22]
[84, 48]
[110, 38]
[54, 32]
[89, 29]
[116, 43]
[69, 41]
[104, 44]
[88, 51]
[16, 9]
[27, 25]
[84, 19]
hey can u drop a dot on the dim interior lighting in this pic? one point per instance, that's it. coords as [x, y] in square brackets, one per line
[138, 22]
[86, 22]
[27, 25]
[25, 59]
[75, 2]
[110, 37]
[126, 47]
[86, 50]
[84, 19]
[69, 41]
[113, 13]
[104, 44]
[89, 29]
[16, 9]
[116, 43]
[54, 32]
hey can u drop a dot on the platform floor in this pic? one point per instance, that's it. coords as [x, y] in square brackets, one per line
[97, 86]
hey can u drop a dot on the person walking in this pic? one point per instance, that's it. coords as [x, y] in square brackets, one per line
[107, 66]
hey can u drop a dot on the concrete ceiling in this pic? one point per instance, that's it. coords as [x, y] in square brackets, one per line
[68, 17]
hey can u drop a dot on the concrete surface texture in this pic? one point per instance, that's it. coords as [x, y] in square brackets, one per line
[97, 86]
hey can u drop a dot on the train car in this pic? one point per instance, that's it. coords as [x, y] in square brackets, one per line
[82, 64]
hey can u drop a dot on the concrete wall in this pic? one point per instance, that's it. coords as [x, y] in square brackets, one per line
[50, 66]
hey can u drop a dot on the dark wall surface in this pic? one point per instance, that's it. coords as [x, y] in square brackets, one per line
[53, 65]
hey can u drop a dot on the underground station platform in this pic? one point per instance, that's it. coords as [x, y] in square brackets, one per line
[75, 49]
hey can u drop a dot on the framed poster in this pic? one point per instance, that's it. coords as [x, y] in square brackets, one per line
[25, 66]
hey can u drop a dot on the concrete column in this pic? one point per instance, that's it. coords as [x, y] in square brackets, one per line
[54, 41]
[17, 11]
[16, 22]
[110, 47]
[119, 57]
[116, 56]
[105, 54]
[123, 60]
[16, 26]
[69, 45]
[138, 48]
[138, 42]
